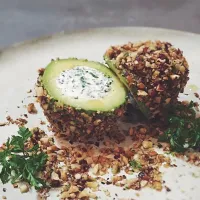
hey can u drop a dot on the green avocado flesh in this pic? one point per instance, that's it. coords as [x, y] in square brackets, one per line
[74, 82]
[112, 66]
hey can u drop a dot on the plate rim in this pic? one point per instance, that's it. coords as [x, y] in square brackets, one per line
[79, 31]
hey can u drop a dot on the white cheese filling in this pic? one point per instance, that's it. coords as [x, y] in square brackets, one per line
[82, 82]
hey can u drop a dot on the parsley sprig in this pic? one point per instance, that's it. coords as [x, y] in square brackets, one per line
[20, 163]
[184, 128]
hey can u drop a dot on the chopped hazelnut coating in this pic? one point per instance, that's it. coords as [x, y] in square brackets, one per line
[154, 72]
[68, 167]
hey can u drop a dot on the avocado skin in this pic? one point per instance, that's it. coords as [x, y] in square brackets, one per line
[78, 125]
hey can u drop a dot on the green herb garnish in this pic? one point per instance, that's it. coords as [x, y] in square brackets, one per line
[82, 81]
[93, 75]
[20, 163]
[184, 128]
[135, 164]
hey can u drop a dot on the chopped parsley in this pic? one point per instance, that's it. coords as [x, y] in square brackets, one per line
[93, 75]
[83, 81]
[184, 128]
[20, 163]
[135, 164]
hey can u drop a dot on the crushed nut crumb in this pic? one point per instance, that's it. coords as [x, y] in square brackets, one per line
[31, 108]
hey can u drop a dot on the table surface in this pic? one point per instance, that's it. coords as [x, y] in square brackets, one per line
[26, 19]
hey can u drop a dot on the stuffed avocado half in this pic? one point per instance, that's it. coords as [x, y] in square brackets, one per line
[81, 98]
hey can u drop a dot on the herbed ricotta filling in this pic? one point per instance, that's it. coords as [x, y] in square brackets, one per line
[82, 82]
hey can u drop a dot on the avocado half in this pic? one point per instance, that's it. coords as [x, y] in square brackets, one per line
[88, 101]
[153, 72]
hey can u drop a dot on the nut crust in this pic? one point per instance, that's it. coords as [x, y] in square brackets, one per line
[155, 72]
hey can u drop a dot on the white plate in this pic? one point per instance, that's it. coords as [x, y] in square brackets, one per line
[18, 74]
